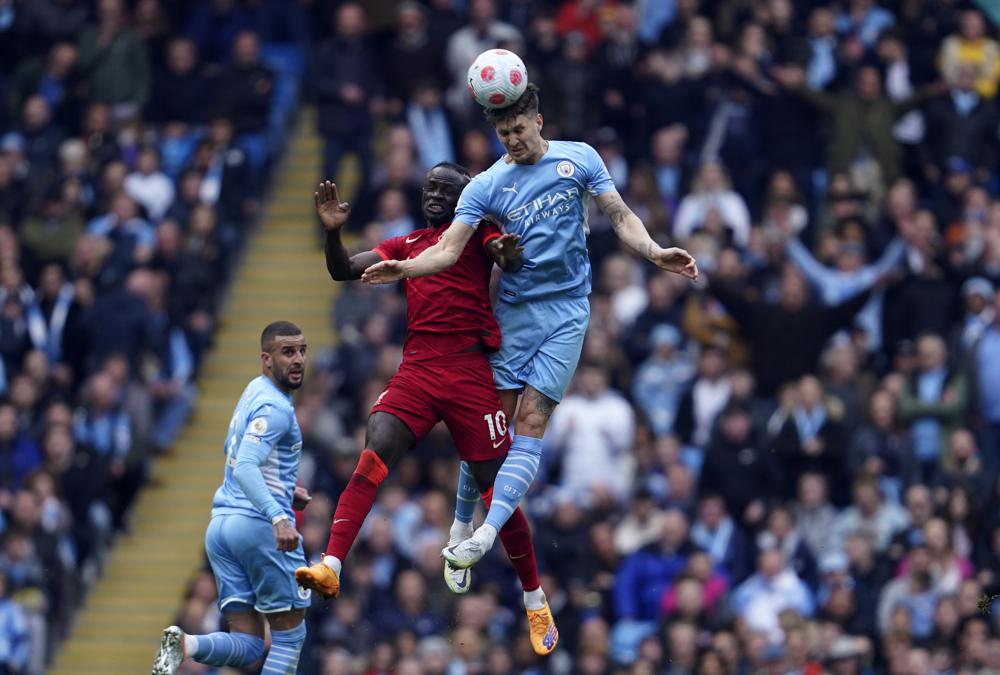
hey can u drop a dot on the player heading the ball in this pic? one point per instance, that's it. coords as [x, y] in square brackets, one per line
[539, 190]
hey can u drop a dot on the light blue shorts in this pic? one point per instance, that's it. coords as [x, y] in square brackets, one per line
[541, 344]
[249, 570]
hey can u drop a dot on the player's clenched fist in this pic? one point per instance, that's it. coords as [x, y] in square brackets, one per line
[286, 536]
[385, 272]
[332, 212]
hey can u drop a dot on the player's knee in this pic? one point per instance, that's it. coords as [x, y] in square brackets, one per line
[531, 422]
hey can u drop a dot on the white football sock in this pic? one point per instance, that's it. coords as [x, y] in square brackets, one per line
[486, 535]
[333, 563]
[534, 599]
[459, 532]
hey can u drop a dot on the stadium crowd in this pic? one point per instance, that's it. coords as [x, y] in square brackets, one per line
[134, 142]
[789, 467]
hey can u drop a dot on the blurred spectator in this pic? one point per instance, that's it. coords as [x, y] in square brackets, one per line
[960, 124]
[181, 83]
[115, 61]
[882, 448]
[591, 433]
[214, 25]
[149, 186]
[932, 401]
[971, 46]
[870, 515]
[14, 639]
[429, 120]
[345, 82]
[415, 58]
[708, 395]
[662, 379]
[244, 90]
[647, 573]
[815, 517]
[484, 31]
[986, 389]
[714, 207]
[772, 589]
[786, 337]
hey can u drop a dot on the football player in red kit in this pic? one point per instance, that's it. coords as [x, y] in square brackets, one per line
[445, 376]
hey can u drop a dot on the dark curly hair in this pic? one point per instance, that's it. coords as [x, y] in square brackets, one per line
[526, 104]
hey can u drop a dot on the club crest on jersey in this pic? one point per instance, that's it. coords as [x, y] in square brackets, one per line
[565, 169]
[258, 426]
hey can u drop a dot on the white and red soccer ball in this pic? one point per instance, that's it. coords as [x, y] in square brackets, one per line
[497, 78]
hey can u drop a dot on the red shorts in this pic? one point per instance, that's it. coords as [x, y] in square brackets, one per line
[457, 389]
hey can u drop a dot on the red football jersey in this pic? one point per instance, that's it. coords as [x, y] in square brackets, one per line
[449, 311]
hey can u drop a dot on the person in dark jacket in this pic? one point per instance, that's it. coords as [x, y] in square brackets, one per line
[244, 90]
[344, 80]
[812, 439]
[960, 124]
[736, 466]
[786, 338]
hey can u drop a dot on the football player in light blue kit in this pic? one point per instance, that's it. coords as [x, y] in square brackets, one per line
[251, 540]
[540, 191]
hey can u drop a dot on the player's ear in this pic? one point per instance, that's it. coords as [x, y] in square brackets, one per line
[539, 122]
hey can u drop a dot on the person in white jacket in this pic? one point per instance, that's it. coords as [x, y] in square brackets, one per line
[712, 204]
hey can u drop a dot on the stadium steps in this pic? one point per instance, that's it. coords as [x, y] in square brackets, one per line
[282, 276]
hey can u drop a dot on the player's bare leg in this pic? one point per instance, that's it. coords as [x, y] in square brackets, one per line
[386, 440]
[241, 647]
[513, 480]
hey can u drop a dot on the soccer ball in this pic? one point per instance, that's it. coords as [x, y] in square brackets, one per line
[497, 78]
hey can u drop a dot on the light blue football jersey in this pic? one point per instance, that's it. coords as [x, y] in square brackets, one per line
[546, 204]
[263, 430]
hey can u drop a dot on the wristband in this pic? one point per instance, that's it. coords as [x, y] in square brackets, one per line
[278, 519]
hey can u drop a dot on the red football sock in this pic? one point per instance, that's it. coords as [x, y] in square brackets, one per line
[355, 502]
[516, 538]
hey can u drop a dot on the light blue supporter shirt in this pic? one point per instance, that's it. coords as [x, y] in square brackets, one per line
[264, 442]
[546, 205]
[987, 358]
[927, 431]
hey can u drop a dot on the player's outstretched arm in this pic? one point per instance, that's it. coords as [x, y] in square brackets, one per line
[630, 230]
[333, 213]
[438, 257]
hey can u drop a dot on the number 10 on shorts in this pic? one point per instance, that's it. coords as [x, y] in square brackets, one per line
[497, 422]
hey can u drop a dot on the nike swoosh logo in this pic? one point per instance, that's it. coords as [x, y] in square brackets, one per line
[465, 580]
[410, 241]
[341, 520]
[498, 443]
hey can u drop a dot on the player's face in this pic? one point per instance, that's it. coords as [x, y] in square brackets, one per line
[287, 361]
[522, 138]
[442, 188]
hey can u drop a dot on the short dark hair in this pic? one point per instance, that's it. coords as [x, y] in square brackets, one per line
[457, 168]
[527, 104]
[277, 329]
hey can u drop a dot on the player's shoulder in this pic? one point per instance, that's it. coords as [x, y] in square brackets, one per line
[487, 177]
[572, 150]
[265, 398]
